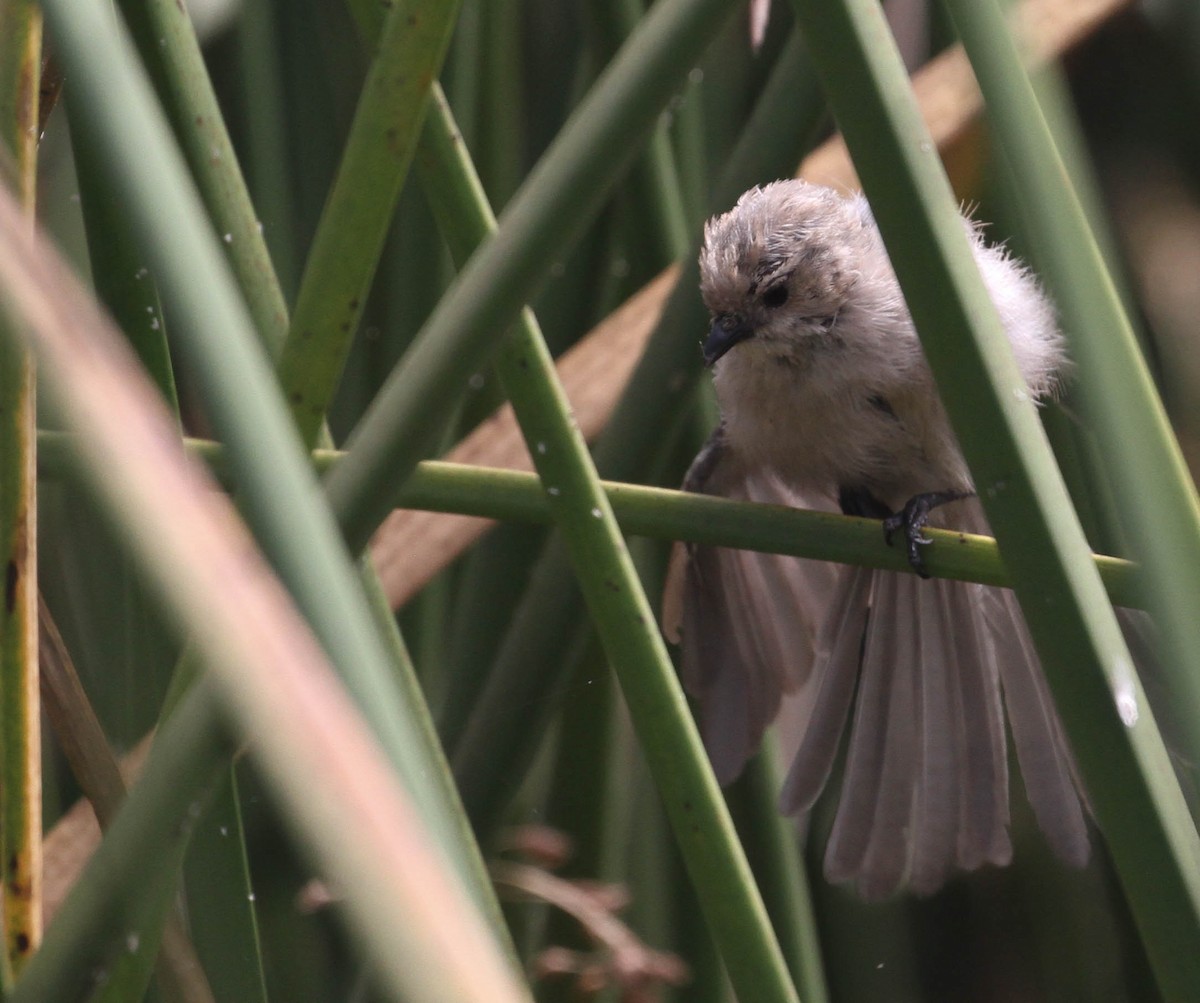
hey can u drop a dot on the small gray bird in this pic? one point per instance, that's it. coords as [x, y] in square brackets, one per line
[827, 402]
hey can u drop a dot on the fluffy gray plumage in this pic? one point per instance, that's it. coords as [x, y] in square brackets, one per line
[824, 391]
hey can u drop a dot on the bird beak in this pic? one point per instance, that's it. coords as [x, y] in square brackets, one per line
[723, 335]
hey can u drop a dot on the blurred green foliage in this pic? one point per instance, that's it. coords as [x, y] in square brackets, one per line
[287, 74]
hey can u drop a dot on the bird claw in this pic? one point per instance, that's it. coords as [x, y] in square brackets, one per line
[912, 519]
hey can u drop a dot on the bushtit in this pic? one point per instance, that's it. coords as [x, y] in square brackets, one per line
[827, 402]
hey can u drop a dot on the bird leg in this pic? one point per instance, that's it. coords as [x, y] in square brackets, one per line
[912, 519]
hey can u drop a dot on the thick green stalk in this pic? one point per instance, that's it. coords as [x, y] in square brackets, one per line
[779, 131]
[166, 41]
[268, 167]
[654, 181]
[128, 290]
[620, 611]
[119, 273]
[332, 776]
[1136, 801]
[350, 237]
[95, 767]
[1142, 461]
[276, 486]
[171, 53]
[774, 845]
[551, 208]
[220, 899]
[20, 732]
[189, 755]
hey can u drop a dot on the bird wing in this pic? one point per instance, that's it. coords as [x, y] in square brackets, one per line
[746, 621]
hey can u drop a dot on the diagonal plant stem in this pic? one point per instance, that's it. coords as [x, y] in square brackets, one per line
[125, 278]
[121, 280]
[1129, 778]
[86, 749]
[189, 756]
[181, 77]
[276, 486]
[772, 845]
[1142, 461]
[545, 215]
[128, 290]
[215, 877]
[335, 781]
[412, 44]
[167, 43]
[615, 598]
[779, 130]
[171, 52]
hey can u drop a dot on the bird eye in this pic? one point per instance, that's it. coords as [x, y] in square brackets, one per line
[776, 296]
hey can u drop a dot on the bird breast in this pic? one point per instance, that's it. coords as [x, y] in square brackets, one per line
[819, 432]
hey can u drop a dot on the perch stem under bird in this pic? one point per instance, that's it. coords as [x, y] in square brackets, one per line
[827, 402]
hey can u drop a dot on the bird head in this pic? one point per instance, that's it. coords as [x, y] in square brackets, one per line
[778, 267]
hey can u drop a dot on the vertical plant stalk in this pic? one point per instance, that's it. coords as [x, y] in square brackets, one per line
[1141, 455]
[335, 781]
[94, 766]
[654, 181]
[127, 286]
[773, 844]
[771, 144]
[354, 224]
[265, 154]
[1130, 782]
[20, 732]
[166, 40]
[277, 490]
[1156, 499]
[122, 281]
[624, 620]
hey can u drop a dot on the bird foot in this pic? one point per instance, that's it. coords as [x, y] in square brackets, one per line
[912, 519]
